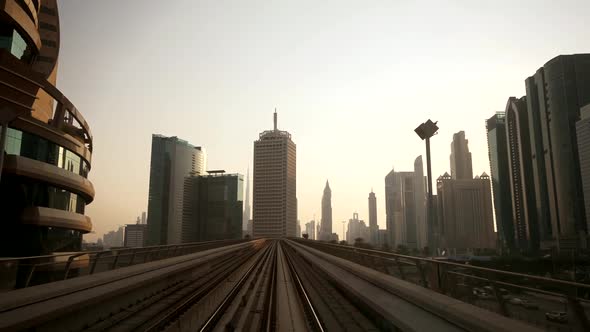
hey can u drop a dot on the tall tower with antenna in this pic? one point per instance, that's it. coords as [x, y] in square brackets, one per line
[275, 184]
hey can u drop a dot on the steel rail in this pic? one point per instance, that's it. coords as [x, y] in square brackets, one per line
[214, 318]
[303, 295]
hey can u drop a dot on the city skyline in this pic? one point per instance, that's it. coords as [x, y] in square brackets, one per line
[310, 87]
[478, 216]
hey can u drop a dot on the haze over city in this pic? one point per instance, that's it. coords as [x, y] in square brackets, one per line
[350, 82]
[294, 166]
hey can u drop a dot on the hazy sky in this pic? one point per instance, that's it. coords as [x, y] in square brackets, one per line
[350, 79]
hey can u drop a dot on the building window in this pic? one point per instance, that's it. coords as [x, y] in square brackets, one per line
[48, 26]
[14, 43]
[34, 147]
[47, 10]
[49, 43]
[41, 58]
[43, 195]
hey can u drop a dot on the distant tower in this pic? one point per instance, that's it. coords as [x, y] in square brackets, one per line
[246, 216]
[401, 209]
[374, 228]
[143, 218]
[326, 234]
[461, 167]
[275, 183]
[420, 202]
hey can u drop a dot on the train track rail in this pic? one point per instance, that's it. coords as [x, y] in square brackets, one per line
[266, 285]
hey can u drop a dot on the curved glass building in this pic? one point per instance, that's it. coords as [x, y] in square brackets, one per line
[47, 143]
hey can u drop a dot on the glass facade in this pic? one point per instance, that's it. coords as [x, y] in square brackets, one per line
[18, 194]
[499, 166]
[213, 208]
[33, 240]
[40, 194]
[14, 43]
[34, 147]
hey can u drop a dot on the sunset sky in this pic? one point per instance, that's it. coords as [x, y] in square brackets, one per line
[350, 80]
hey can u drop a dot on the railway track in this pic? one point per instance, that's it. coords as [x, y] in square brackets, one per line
[265, 285]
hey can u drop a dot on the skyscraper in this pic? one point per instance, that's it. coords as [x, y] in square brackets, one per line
[420, 204]
[555, 95]
[275, 184]
[326, 230]
[583, 135]
[310, 229]
[143, 218]
[172, 160]
[373, 227]
[400, 208]
[392, 207]
[357, 229]
[526, 232]
[213, 207]
[499, 166]
[44, 186]
[460, 157]
[246, 216]
[466, 217]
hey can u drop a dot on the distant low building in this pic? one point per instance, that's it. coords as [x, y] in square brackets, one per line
[114, 238]
[135, 235]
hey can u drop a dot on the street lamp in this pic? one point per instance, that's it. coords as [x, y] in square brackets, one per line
[426, 130]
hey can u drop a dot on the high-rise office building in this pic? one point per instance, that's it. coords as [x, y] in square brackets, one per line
[310, 230]
[212, 207]
[373, 226]
[420, 192]
[172, 160]
[400, 207]
[499, 166]
[555, 95]
[526, 232]
[465, 213]
[326, 229]
[583, 135]
[461, 167]
[275, 184]
[135, 235]
[247, 214]
[143, 218]
[392, 207]
[357, 229]
[44, 188]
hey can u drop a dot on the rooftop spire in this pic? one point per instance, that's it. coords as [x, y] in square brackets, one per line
[275, 119]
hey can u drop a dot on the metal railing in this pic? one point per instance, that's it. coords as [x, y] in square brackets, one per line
[21, 272]
[491, 289]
